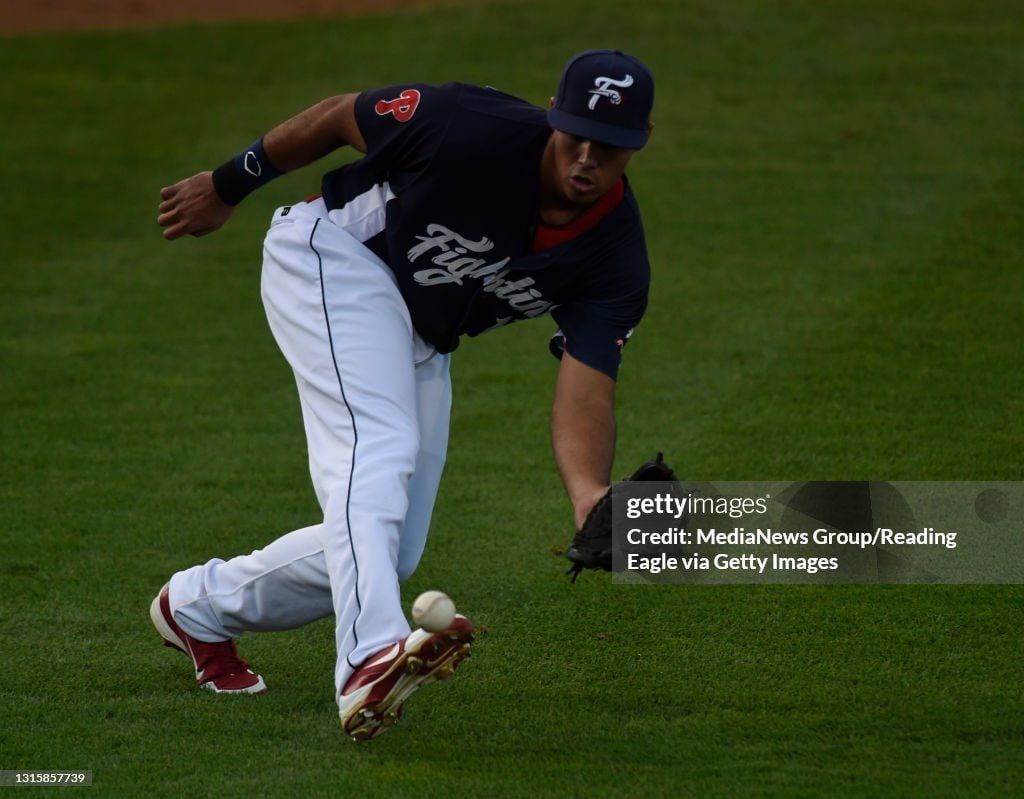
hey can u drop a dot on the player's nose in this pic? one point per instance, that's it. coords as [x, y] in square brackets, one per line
[586, 153]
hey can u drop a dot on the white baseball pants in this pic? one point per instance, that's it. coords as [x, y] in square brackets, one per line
[375, 403]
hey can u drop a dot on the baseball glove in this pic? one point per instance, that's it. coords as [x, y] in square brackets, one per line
[592, 546]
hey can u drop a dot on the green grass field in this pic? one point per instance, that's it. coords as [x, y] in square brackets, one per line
[834, 206]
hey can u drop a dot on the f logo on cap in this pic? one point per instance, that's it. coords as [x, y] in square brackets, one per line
[604, 90]
[620, 121]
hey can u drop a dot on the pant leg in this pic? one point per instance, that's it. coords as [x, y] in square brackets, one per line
[286, 585]
[280, 587]
[372, 424]
[433, 405]
[342, 324]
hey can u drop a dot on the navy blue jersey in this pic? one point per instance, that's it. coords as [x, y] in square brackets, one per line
[447, 195]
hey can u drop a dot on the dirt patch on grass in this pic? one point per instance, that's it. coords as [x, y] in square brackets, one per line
[51, 15]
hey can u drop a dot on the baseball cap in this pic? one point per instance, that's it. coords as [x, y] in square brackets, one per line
[606, 96]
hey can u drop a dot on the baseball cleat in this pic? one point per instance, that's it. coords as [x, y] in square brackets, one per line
[373, 696]
[217, 664]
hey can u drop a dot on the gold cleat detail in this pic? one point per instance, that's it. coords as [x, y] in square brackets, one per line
[413, 665]
[445, 672]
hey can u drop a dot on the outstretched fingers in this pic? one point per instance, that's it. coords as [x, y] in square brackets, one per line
[175, 232]
[168, 217]
[169, 211]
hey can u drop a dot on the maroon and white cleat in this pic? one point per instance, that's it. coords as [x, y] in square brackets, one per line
[218, 666]
[373, 697]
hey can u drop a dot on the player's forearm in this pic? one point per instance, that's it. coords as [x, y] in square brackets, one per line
[583, 439]
[313, 133]
[299, 141]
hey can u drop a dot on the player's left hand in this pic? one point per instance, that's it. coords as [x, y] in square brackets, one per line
[592, 546]
[192, 207]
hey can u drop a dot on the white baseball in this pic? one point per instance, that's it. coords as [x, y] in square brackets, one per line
[434, 611]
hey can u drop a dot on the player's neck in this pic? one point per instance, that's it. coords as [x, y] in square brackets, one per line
[559, 216]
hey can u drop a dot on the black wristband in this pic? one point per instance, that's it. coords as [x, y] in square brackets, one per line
[234, 180]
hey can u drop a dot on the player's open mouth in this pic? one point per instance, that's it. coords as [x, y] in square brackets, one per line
[581, 184]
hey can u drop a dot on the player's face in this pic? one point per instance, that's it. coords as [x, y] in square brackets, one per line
[587, 169]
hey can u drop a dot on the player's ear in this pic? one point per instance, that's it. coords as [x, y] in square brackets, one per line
[552, 103]
[650, 129]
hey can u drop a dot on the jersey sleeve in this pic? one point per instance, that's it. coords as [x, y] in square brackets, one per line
[404, 125]
[597, 318]
[595, 333]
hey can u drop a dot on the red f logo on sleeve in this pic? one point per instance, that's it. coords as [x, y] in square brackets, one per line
[403, 106]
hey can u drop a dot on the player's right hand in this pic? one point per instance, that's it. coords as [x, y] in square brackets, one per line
[192, 207]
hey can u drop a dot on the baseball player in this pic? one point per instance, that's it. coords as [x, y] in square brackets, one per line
[470, 209]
